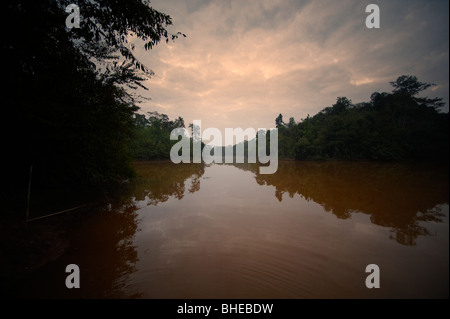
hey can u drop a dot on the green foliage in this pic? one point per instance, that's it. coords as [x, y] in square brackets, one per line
[393, 126]
[152, 136]
[66, 110]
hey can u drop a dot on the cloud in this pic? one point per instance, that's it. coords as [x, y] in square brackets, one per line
[244, 62]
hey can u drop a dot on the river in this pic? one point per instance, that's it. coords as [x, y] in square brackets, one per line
[226, 231]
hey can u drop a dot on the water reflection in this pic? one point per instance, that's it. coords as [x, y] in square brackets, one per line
[400, 196]
[191, 231]
[100, 240]
[235, 239]
[158, 181]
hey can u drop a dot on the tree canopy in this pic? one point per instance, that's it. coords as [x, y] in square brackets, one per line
[393, 126]
[152, 136]
[68, 110]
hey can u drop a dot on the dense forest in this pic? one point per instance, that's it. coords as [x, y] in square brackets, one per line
[151, 139]
[69, 99]
[393, 126]
[396, 126]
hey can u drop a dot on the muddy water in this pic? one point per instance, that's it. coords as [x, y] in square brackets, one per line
[225, 231]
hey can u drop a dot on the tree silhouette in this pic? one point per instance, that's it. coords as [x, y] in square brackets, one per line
[68, 90]
[279, 121]
[411, 86]
[392, 126]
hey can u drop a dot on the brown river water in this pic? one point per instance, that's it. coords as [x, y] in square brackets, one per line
[225, 231]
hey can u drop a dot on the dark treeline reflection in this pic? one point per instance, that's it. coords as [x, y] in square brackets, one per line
[159, 181]
[99, 241]
[155, 184]
[400, 196]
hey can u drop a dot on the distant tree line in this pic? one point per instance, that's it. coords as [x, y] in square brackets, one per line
[393, 126]
[151, 136]
[151, 139]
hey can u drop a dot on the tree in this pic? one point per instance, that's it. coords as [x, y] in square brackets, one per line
[68, 90]
[342, 104]
[152, 136]
[410, 85]
[104, 36]
[392, 126]
[291, 122]
[279, 121]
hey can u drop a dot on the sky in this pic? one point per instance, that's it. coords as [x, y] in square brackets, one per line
[243, 62]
